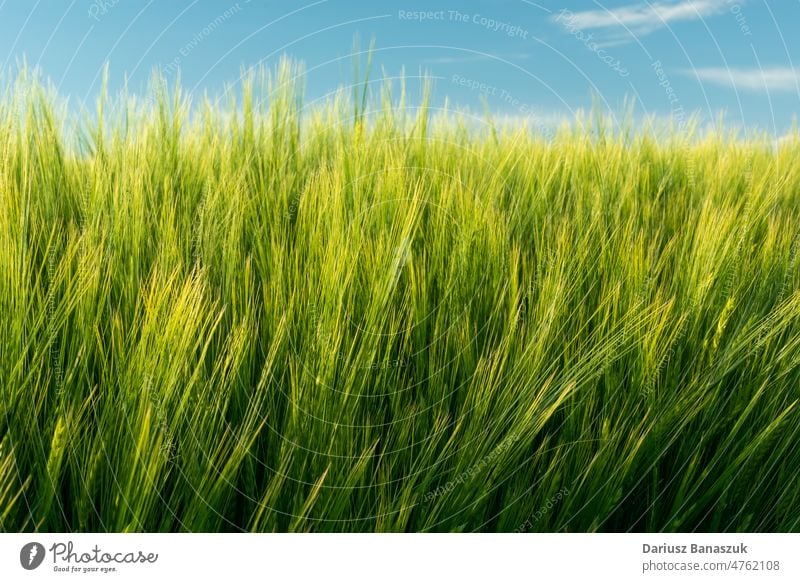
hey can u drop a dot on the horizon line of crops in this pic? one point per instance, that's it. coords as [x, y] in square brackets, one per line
[355, 316]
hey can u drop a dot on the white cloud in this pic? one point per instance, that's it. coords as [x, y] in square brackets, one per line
[642, 18]
[764, 80]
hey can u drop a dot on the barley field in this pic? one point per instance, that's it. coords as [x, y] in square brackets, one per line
[263, 314]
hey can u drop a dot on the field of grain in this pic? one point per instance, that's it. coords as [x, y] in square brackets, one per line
[264, 315]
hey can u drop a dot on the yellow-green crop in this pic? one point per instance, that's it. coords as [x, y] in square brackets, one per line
[362, 316]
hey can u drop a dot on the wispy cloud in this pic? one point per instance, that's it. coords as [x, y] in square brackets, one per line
[644, 17]
[763, 80]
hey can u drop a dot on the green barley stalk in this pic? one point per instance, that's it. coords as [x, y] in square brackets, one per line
[256, 314]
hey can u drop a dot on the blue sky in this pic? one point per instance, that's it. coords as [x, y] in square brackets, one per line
[542, 60]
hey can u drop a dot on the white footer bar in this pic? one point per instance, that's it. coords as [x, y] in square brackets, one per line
[401, 557]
